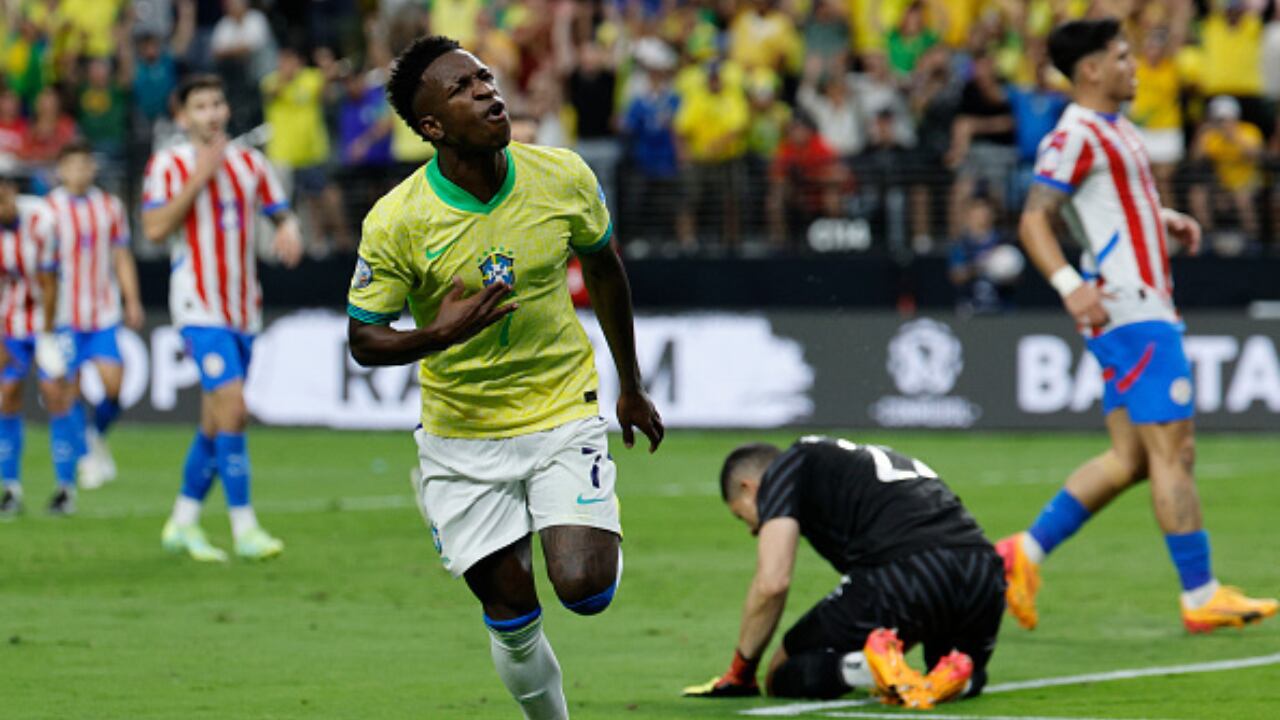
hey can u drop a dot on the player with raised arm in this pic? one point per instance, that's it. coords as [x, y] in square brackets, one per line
[207, 191]
[1092, 174]
[511, 441]
[97, 271]
[916, 569]
[28, 309]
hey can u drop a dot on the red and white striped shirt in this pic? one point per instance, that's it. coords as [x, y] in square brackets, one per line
[27, 248]
[1100, 161]
[213, 279]
[89, 228]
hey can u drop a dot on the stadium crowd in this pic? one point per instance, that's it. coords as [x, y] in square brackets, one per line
[716, 126]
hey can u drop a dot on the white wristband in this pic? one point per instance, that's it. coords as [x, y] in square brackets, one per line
[1065, 280]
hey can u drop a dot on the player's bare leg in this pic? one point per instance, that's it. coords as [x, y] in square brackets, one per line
[583, 564]
[1206, 605]
[1090, 488]
[503, 582]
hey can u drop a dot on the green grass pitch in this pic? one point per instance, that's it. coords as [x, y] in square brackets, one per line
[357, 620]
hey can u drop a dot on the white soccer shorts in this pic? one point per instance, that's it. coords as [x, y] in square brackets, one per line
[479, 496]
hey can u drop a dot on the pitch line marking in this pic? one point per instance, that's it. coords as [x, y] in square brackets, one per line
[796, 709]
[936, 716]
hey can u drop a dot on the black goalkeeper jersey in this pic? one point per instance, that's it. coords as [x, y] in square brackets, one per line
[863, 505]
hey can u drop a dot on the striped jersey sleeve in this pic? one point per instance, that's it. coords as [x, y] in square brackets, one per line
[158, 185]
[270, 191]
[1064, 160]
[119, 222]
[44, 233]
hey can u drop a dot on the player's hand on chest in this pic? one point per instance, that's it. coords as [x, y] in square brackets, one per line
[526, 257]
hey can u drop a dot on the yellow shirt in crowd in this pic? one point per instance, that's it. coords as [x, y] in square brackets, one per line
[96, 19]
[296, 114]
[1232, 56]
[1155, 106]
[767, 41]
[1229, 152]
[713, 125]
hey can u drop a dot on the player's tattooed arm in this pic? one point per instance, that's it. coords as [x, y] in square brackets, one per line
[460, 317]
[1041, 231]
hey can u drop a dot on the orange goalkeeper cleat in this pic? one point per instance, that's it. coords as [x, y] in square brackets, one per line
[894, 678]
[1228, 608]
[1022, 578]
[948, 680]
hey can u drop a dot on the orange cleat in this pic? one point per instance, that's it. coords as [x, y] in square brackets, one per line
[1228, 608]
[895, 679]
[1022, 578]
[948, 680]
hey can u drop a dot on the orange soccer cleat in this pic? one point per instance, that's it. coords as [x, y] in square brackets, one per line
[1022, 577]
[1228, 608]
[948, 680]
[894, 678]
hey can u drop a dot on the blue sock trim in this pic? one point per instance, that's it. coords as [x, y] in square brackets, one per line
[594, 604]
[105, 413]
[514, 623]
[62, 445]
[1059, 520]
[1190, 553]
[233, 467]
[77, 414]
[10, 448]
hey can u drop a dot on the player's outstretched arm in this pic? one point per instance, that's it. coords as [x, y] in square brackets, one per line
[1039, 231]
[460, 317]
[610, 293]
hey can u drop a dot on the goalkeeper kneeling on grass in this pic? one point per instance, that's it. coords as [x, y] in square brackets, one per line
[916, 569]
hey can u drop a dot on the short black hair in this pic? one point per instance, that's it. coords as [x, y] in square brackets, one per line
[406, 74]
[79, 146]
[195, 82]
[1072, 41]
[755, 456]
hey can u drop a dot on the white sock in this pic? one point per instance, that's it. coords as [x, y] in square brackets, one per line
[243, 520]
[185, 511]
[1034, 552]
[1196, 598]
[854, 670]
[528, 667]
[14, 487]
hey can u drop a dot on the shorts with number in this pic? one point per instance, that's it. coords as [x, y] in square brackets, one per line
[1146, 372]
[221, 354]
[96, 346]
[479, 496]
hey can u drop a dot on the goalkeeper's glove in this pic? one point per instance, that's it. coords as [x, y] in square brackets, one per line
[53, 353]
[739, 681]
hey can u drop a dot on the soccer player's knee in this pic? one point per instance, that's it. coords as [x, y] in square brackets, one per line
[1187, 453]
[809, 675]
[586, 595]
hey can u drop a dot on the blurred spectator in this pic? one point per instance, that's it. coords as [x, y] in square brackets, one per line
[982, 137]
[827, 97]
[769, 118]
[591, 89]
[983, 266]
[208, 13]
[712, 126]
[1231, 37]
[878, 91]
[155, 73]
[764, 36]
[364, 141]
[881, 169]
[1271, 60]
[1234, 149]
[1036, 110]
[49, 130]
[102, 110]
[293, 96]
[651, 191]
[24, 57]
[912, 36]
[457, 19]
[806, 182]
[934, 100]
[545, 102]
[244, 52]
[13, 127]
[826, 34]
[86, 27]
[156, 17]
[1157, 110]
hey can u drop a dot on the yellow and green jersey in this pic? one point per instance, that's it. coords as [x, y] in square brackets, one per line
[534, 369]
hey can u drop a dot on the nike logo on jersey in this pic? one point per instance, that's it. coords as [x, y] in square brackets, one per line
[433, 255]
[590, 501]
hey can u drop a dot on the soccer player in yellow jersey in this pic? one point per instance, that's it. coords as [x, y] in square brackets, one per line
[511, 440]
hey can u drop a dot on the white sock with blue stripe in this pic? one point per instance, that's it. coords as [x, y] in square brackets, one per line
[527, 666]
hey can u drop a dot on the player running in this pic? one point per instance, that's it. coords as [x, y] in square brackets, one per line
[511, 440]
[1094, 170]
[28, 305]
[97, 270]
[207, 190]
[912, 559]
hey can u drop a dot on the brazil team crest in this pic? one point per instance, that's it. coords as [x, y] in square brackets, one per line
[498, 265]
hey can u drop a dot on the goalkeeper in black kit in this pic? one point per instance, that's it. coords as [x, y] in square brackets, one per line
[916, 568]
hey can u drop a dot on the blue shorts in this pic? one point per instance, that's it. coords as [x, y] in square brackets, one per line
[22, 352]
[95, 346]
[221, 354]
[1146, 372]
